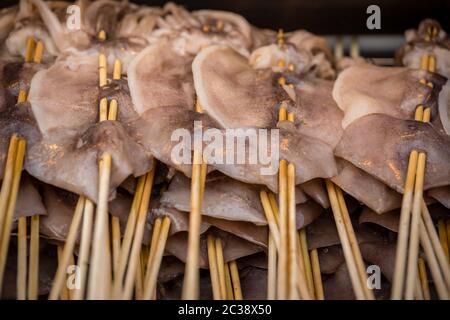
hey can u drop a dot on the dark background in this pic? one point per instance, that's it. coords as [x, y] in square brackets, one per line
[324, 16]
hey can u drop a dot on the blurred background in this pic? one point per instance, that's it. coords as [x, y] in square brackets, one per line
[330, 17]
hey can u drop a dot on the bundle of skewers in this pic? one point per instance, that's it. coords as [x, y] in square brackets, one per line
[357, 208]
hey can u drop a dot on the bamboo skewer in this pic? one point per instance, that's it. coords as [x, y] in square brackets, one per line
[292, 233]
[345, 242]
[64, 290]
[22, 259]
[7, 180]
[354, 244]
[153, 268]
[115, 240]
[153, 243]
[59, 280]
[228, 284]
[33, 274]
[220, 268]
[303, 246]
[6, 233]
[272, 269]
[318, 287]
[418, 293]
[100, 268]
[434, 242]
[191, 275]
[22, 240]
[128, 236]
[302, 282]
[443, 236]
[234, 272]
[85, 246]
[402, 240]
[138, 235]
[424, 279]
[138, 279]
[282, 285]
[271, 220]
[411, 275]
[213, 267]
[442, 290]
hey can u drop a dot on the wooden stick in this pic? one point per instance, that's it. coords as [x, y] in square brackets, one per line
[103, 76]
[112, 114]
[38, 52]
[424, 62]
[354, 244]
[103, 111]
[403, 229]
[418, 114]
[100, 267]
[354, 47]
[64, 290]
[418, 294]
[272, 269]
[228, 283]
[60, 277]
[7, 180]
[102, 70]
[282, 286]
[150, 285]
[191, 274]
[117, 72]
[303, 244]
[426, 115]
[443, 236]
[411, 275]
[85, 246]
[318, 286]
[432, 63]
[71, 290]
[237, 290]
[138, 279]
[29, 49]
[4, 243]
[220, 268]
[22, 259]
[345, 242]
[424, 279]
[102, 35]
[274, 205]
[282, 114]
[115, 240]
[213, 267]
[338, 48]
[139, 234]
[33, 272]
[292, 234]
[434, 238]
[128, 237]
[272, 223]
[302, 282]
[22, 97]
[290, 117]
[153, 243]
[439, 283]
